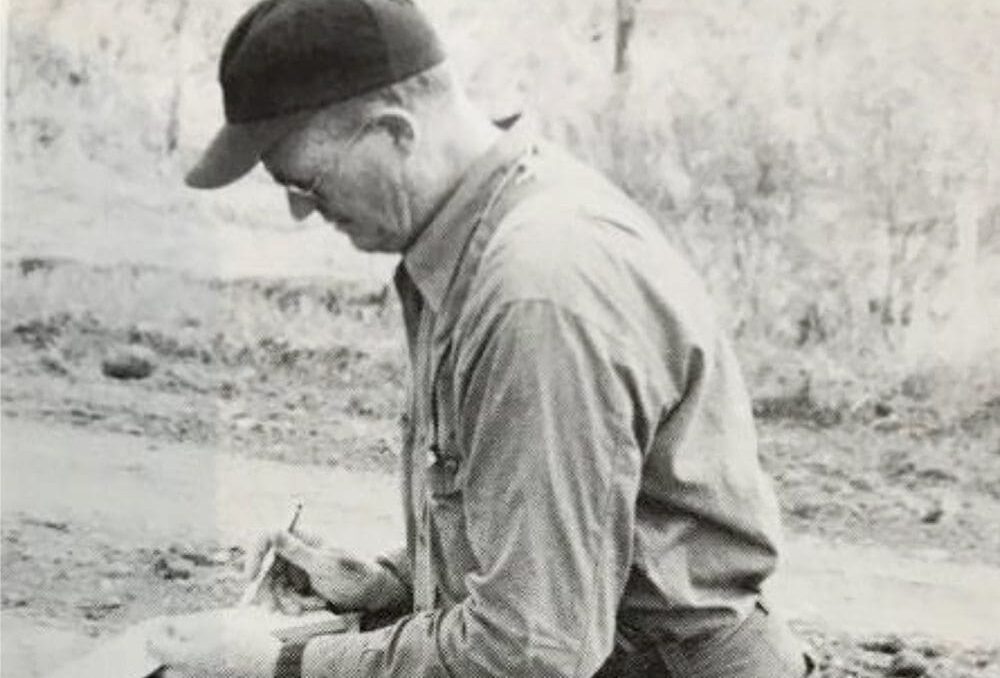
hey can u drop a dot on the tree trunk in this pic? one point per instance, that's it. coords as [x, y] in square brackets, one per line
[172, 137]
[624, 25]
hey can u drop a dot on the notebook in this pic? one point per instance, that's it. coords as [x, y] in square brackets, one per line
[125, 655]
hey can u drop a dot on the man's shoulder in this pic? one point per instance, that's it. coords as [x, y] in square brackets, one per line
[565, 224]
[550, 246]
[569, 238]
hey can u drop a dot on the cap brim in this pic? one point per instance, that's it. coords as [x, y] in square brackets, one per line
[238, 147]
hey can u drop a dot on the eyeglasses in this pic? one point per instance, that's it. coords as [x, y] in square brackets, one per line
[302, 201]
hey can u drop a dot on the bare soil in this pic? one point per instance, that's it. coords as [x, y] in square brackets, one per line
[301, 380]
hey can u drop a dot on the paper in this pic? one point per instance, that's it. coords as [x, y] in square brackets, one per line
[122, 657]
[125, 656]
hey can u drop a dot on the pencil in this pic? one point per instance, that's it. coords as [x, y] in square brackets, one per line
[266, 563]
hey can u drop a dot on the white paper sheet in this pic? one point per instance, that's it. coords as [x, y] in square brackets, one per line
[125, 656]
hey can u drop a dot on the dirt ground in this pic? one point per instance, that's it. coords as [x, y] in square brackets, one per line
[115, 374]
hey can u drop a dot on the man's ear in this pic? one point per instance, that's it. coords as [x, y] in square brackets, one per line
[401, 126]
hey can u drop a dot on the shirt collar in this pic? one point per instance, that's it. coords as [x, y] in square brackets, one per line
[432, 260]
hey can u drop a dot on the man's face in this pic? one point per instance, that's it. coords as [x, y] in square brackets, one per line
[353, 175]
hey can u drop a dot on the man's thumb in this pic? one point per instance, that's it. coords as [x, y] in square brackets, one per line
[295, 550]
[256, 554]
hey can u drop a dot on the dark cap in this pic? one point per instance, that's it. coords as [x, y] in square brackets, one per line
[285, 59]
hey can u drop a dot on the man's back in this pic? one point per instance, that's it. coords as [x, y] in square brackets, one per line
[593, 459]
[707, 528]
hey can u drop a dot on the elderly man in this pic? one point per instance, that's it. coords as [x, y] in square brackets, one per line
[580, 477]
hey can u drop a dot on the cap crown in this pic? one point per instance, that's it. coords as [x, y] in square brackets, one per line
[285, 56]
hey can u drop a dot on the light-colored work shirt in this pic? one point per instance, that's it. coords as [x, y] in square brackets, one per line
[580, 455]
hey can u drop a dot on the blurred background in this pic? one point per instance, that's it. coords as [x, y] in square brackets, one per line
[832, 169]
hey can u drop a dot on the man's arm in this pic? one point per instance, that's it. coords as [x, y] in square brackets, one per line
[552, 475]
[397, 576]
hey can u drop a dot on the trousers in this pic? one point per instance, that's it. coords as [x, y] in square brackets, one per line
[762, 646]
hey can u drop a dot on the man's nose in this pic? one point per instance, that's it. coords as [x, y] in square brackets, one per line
[300, 206]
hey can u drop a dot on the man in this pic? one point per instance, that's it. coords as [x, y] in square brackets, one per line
[580, 477]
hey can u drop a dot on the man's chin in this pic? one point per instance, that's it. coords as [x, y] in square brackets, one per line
[360, 238]
[372, 245]
[373, 240]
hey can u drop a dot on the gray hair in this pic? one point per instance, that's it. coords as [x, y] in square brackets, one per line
[419, 94]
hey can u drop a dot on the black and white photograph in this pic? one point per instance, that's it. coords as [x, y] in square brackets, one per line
[513, 339]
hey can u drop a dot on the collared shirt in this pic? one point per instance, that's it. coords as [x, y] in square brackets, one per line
[580, 456]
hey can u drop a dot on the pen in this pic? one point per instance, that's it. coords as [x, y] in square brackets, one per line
[266, 563]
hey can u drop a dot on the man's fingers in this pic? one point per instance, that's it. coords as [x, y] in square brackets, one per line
[267, 598]
[256, 554]
[295, 550]
[312, 603]
[295, 604]
[310, 538]
[298, 547]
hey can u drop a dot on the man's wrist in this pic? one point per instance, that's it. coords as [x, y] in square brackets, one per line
[324, 656]
[289, 664]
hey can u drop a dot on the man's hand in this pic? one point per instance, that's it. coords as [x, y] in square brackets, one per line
[213, 645]
[306, 568]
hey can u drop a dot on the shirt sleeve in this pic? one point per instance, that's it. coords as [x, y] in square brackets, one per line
[397, 590]
[549, 493]
[397, 563]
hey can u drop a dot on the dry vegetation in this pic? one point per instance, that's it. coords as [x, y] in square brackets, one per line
[832, 171]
